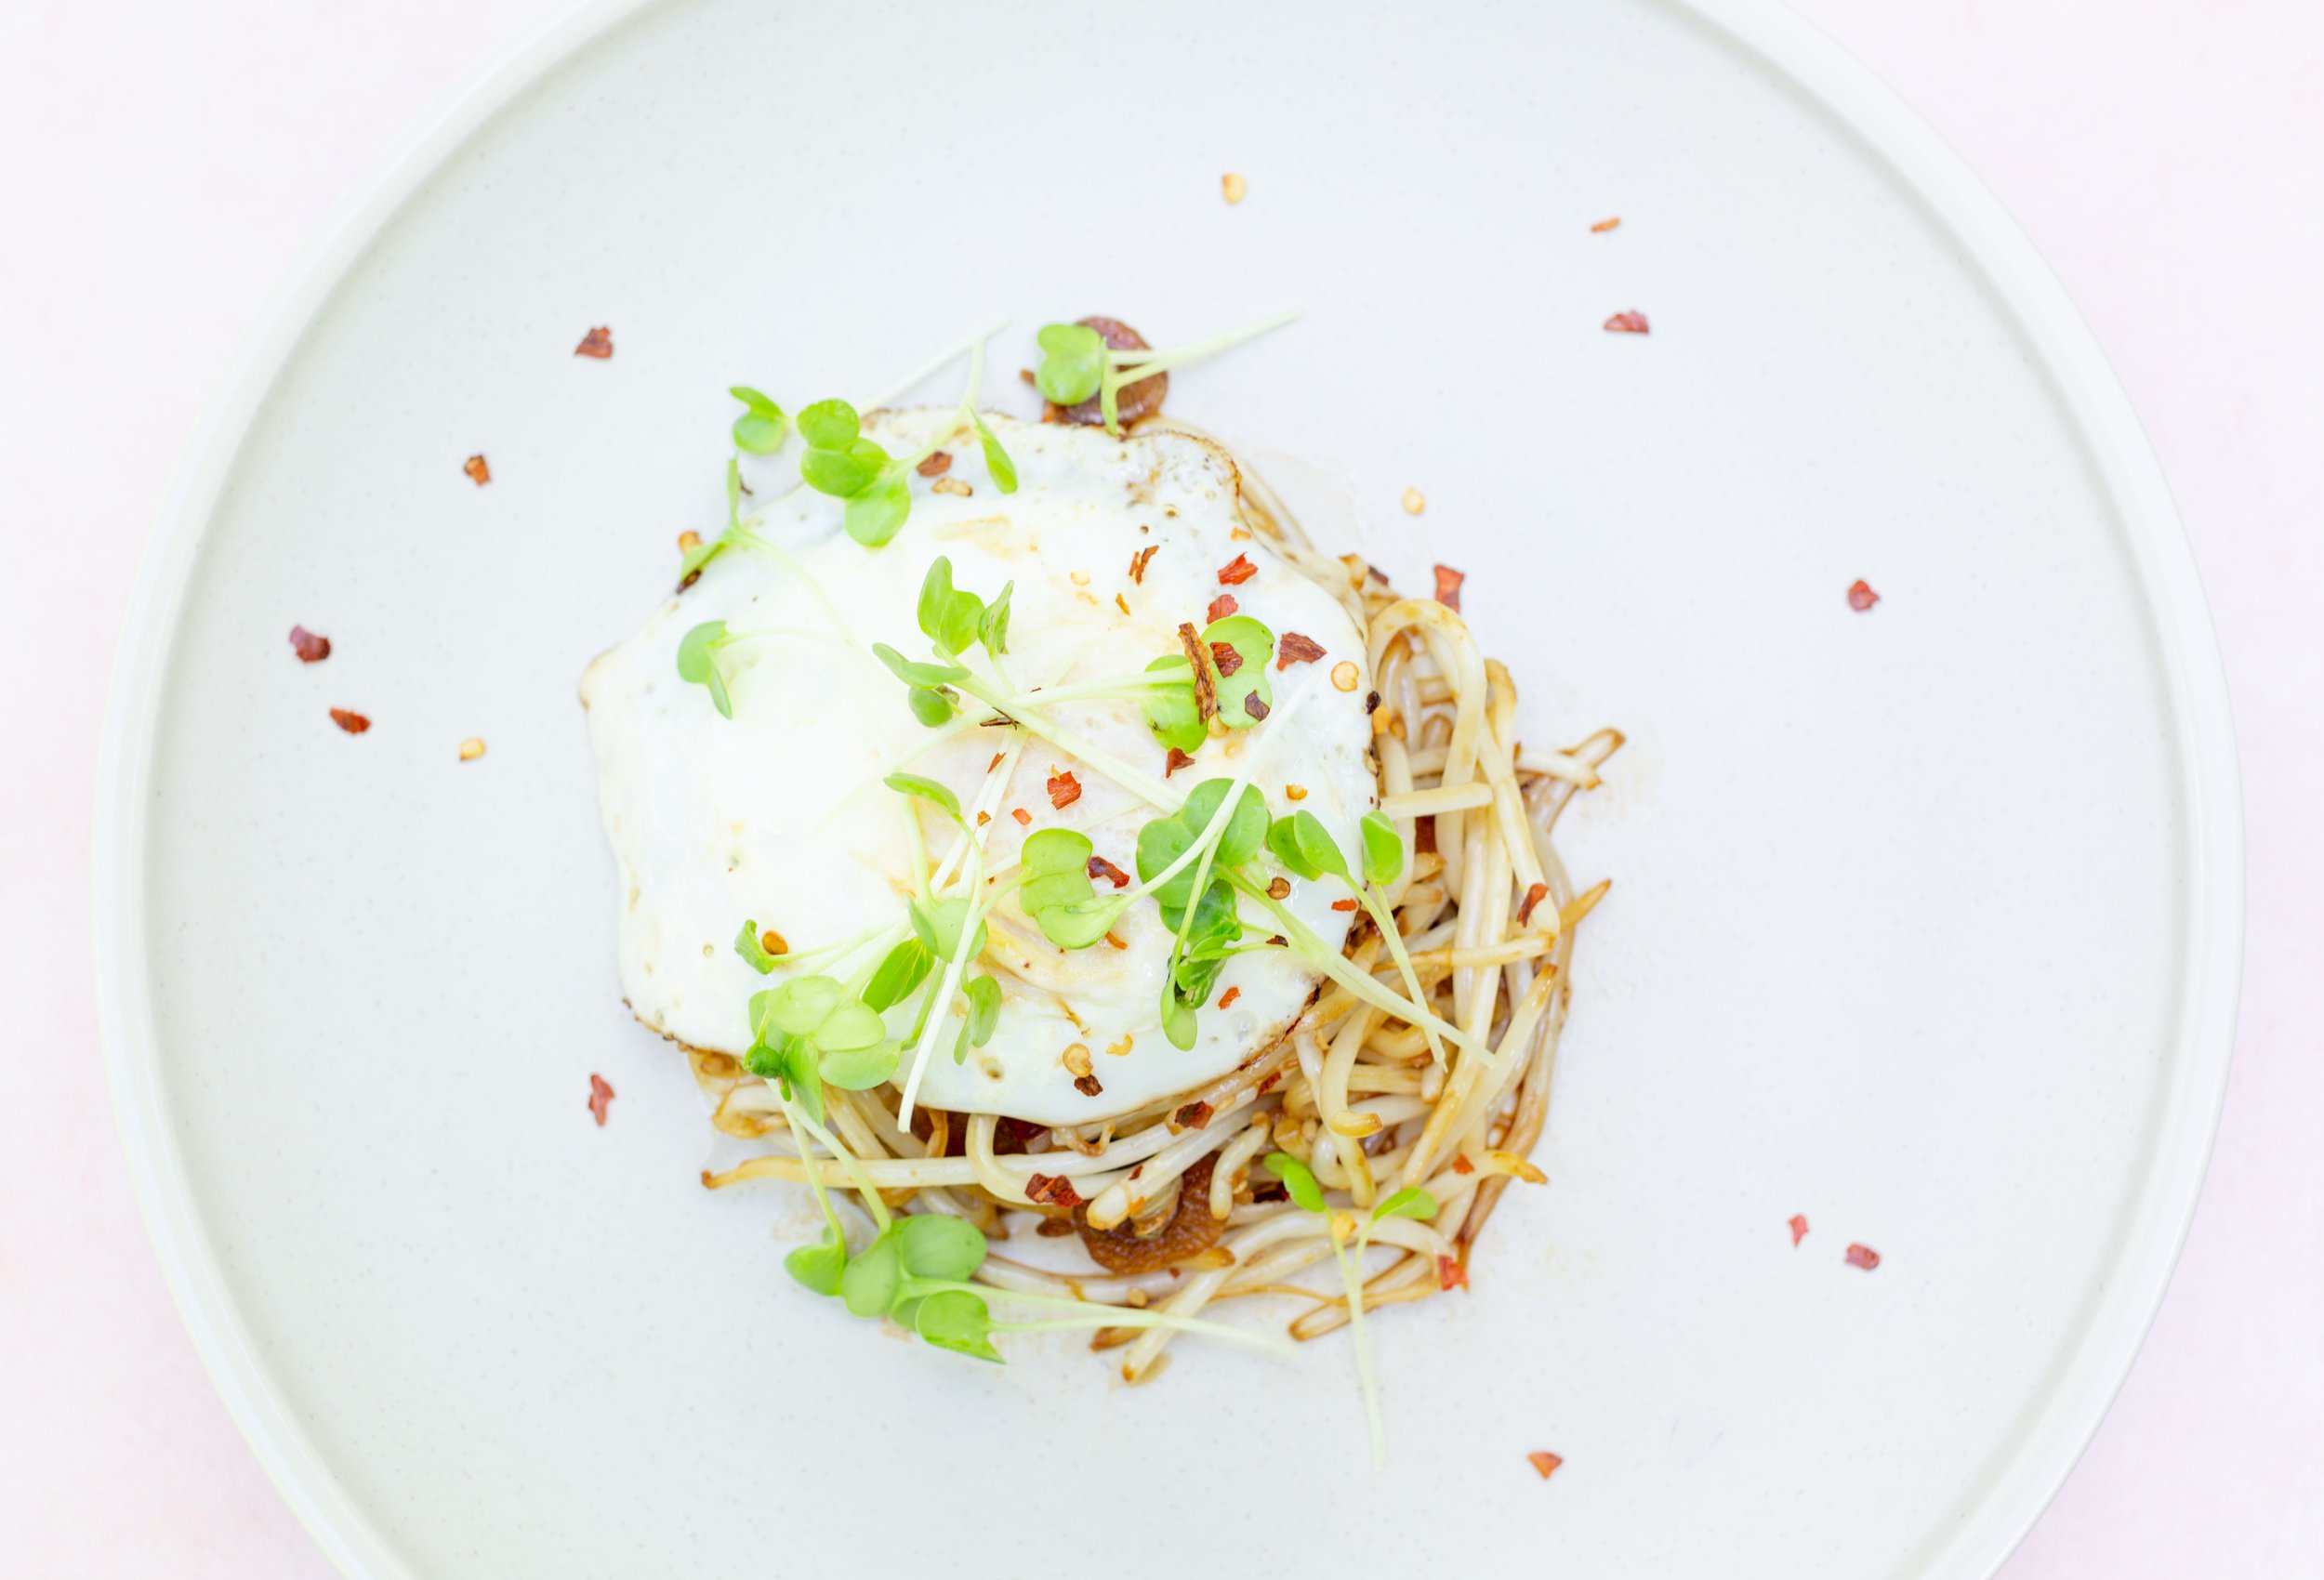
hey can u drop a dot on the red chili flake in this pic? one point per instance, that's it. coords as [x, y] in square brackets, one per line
[1088, 1086]
[1861, 596]
[1268, 1082]
[1603, 226]
[354, 723]
[1343, 904]
[1052, 1190]
[1192, 1116]
[1138, 563]
[1461, 1163]
[1252, 706]
[1100, 867]
[1026, 373]
[1799, 1228]
[599, 1094]
[1632, 323]
[1226, 658]
[993, 764]
[1222, 605]
[1064, 790]
[1291, 648]
[1448, 587]
[1023, 817]
[478, 473]
[1229, 997]
[1862, 1257]
[598, 343]
[1424, 835]
[1451, 1273]
[1238, 570]
[1544, 1462]
[936, 464]
[1176, 760]
[1533, 898]
[310, 648]
[1116, 941]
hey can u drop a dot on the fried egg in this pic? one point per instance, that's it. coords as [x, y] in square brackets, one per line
[778, 814]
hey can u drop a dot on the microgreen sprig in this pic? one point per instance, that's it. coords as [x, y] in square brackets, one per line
[1341, 1229]
[918, 1271]
[1076, 363]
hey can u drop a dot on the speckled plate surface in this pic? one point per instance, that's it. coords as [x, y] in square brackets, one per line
[1926, 919]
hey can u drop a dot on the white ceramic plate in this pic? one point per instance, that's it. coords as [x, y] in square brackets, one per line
[1925, 924]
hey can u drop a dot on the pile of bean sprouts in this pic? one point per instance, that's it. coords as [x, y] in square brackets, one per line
[1353, 1092]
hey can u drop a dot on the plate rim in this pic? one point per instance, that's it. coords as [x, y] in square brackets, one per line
[2112, 1332]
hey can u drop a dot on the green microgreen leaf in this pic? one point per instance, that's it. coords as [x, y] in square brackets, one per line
[993, 629]
[1410, 1201]
[1163, 840]
[759, 432]
[937, 924]
[949, 617]
[1072, 364]
[846, 471]
[800, 1005]
[984, 996]
[829, 425]
[1170, 712]
[958, 1321]
[753, 954]
[1254, 645]
[903, 968]
[775, 1055]
[928, 790]
[874, 1278]
[859, 1068]
[996, 460]
[698, 663]
[876, 512]
[931, 705]
[819, 1267]
[1383, 851]
[914, 673]
[1209, 944]
[1056, 864]
[1302, 843]
[1297, 1179]
[934, 1245]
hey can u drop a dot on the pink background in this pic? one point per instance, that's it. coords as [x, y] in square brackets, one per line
[161, 166]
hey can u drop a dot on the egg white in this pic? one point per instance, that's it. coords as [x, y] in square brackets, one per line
[778, 814]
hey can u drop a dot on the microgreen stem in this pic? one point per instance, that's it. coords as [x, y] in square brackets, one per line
[1252, 754]
[920, 376]
[863, 1186]
[1092, 1314]
[1362, 984]
[1143, 785]
[1135, 366]
[908, 809]
[1384, 919]
[815, 1175]
[1128, 686]
[802, 957]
